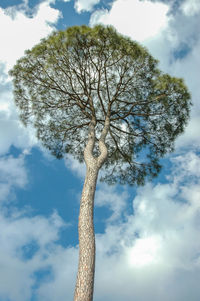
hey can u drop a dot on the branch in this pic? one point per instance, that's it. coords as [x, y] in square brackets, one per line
[88, 151]
[99, 95]
[118, 149]
[134, 104]
[102, 146]
[107, 89]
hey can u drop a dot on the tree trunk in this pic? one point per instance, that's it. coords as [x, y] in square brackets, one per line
[86, 268]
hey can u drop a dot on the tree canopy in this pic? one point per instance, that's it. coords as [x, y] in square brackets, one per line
[83, 75]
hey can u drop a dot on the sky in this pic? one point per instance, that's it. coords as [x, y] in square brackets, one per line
[147, 238]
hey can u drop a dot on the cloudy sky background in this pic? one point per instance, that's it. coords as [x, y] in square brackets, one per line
[148, 245]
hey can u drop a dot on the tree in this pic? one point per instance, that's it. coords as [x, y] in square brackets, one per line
[99, 96]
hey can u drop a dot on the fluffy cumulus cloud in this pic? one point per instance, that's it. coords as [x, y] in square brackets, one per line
[24, 31]
[85, 5]
[24, 28]
[157, 249]
[29, 252]
[138, 19]
[154, 250]
[30, 256]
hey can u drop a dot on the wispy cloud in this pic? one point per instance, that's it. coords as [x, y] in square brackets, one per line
[85, 5]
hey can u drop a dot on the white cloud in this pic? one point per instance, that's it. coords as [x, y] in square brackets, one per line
[109, 196]
[27, 247]
[139, 19]
[190, 7]
[181, 38]
[188, 67]
[158, 246]
[12, 174]
[79, 169]
[145, 251]
[13, 171]
[85, 5]
[188, 164]
[190, 138]
[23, 32]
[29, 255]
[12, 132]
[64, 263]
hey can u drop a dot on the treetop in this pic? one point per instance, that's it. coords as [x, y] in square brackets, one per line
[84, 74]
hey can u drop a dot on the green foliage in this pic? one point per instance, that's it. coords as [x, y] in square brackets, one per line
[82, 73]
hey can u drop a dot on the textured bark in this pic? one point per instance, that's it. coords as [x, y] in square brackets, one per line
[86, 268]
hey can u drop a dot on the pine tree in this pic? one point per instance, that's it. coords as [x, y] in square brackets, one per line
[99, 96]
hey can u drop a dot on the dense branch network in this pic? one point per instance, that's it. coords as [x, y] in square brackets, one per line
[85, 76]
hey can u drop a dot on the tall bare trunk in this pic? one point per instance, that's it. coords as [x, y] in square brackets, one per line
[86, 268]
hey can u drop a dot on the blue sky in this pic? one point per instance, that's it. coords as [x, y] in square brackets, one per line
[147, 238]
